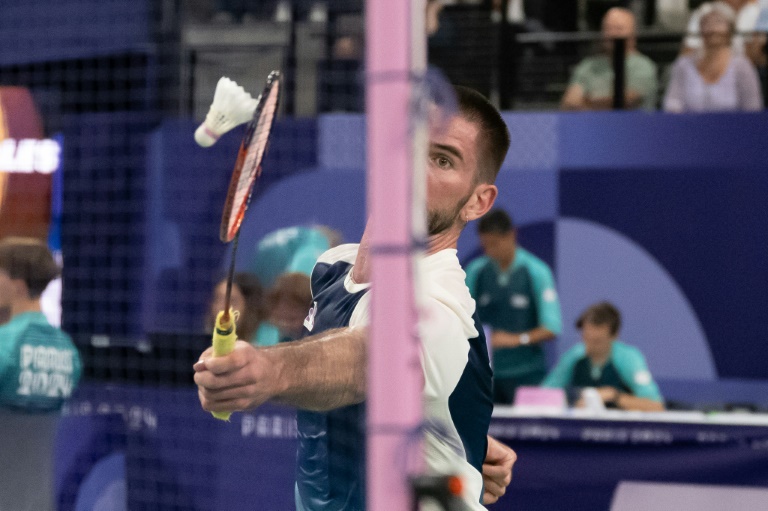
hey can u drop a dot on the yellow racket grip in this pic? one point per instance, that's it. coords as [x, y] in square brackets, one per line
[224, 337]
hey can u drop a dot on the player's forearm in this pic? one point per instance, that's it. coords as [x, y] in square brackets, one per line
[323, 372]
[503, 339]
[540, 334]
[642, 404]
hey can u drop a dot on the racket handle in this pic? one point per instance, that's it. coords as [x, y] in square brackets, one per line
[224, 338]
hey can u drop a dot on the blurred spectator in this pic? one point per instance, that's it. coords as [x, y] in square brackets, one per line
[39, 369]
[744, 13]
[516, 297]
[591, 86]
[618, 371]
[291, 249]
[288, 302]
[247, 299]
[228, 11]
[718, 77]
[595, 11]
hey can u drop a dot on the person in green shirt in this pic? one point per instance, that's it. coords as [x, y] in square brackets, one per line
[516, 297]
[591, 85]
[39, 364]
[39, 369]
[617, 370]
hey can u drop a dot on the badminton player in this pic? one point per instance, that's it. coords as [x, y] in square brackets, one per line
[324, 375]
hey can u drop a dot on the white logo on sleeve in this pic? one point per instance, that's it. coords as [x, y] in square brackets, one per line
[309, 321]
[519, 301]
[549, 295]
[642, 377]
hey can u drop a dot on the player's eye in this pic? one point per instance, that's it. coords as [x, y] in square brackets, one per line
[441, 161]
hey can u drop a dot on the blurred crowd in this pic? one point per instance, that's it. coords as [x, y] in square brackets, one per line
[720, 60]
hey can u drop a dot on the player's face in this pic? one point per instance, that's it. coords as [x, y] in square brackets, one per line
[451, 173]
[236, 301]
[617, 25]
[715, 30]
[288, 316]
[499, 247]
[597, 339]
[6, 289]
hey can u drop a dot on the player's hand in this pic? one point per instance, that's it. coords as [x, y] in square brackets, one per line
[497, 470]
[608, 394]
[242, 380]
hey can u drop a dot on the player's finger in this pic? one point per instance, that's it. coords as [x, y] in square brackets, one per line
[494, 489]
[200, 364]
[498, 472]
[215, 405]
[229, 363]
[489, 498]
[217, 382]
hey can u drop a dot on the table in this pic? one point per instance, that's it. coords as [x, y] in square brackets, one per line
[574, 460]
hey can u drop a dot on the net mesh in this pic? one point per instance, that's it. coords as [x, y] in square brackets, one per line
[134, 205]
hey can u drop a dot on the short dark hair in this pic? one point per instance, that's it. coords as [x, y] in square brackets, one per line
[603, 313]
[30, 260]
[494, 135]
[496, 221]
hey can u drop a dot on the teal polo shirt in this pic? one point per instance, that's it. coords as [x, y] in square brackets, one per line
[518, 299]
[625, 370]
[39, 364]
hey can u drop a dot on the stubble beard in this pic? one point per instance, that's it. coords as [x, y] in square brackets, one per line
[439, 221]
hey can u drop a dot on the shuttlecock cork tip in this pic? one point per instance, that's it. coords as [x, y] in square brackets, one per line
[204, 137]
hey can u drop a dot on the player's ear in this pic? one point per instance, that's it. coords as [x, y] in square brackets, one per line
[480, 202]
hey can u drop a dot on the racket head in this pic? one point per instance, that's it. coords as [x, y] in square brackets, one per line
[248, 165]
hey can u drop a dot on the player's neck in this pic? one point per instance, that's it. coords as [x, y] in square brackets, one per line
[22, 306]
[444, 240]
[361, 273]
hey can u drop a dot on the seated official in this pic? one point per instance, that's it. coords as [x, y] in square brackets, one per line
[617, 370]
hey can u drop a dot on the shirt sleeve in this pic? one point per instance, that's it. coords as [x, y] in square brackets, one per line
[5, 358]
[562, 375]
[748, 84]
[647, 84]
[634, 371]
[444, 350]
[581, 74]
[472, 271]
[77, 370]
[674, 99]
[546, 298]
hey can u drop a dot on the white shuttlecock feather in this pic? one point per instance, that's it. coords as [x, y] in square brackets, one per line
[231, 106]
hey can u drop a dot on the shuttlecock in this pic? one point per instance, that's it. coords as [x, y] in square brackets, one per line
[231, 106]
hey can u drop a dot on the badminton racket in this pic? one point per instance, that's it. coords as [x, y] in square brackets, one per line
[245, 174]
